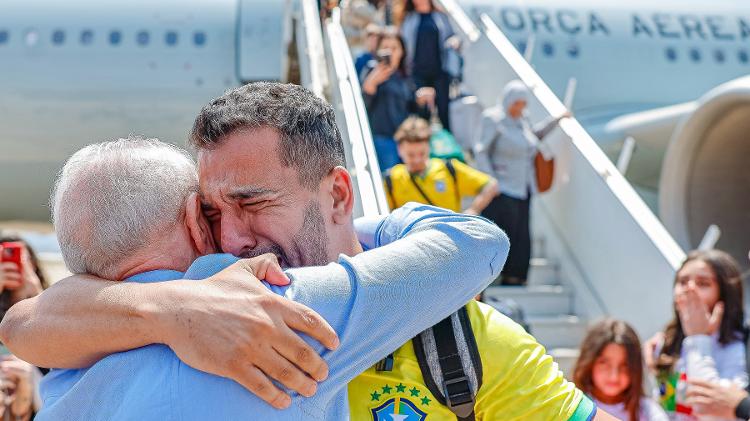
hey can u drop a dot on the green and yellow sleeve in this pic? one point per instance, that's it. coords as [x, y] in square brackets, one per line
[520, 382]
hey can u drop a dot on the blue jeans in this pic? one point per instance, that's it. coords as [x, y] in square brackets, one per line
[385, 148]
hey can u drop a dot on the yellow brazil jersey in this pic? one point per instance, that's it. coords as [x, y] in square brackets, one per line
[520, 382]
[436, 183]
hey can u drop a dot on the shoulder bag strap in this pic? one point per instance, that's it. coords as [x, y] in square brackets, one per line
[414, 181]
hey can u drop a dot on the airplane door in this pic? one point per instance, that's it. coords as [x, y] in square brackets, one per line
[262, 39]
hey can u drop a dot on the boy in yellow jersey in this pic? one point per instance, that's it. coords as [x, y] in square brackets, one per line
[433, 181]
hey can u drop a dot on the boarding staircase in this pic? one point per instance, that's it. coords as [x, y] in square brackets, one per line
[597, 248]
[549, 309]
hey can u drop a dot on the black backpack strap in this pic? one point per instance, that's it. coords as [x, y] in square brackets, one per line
[389, 185]
[454, 177]
[451, 366]
[419, 189]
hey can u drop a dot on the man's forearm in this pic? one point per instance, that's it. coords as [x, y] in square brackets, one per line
[483, 199]
[79, 320]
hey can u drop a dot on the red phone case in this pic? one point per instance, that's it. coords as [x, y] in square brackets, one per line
[11, 252]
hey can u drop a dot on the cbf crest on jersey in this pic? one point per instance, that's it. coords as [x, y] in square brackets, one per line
[398, 409]
[400, 406]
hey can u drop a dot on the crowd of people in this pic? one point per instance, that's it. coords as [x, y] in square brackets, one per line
[406, 73]
[155, 321]
[696, 367]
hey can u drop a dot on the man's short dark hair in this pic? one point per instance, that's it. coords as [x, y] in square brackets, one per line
[310, 139]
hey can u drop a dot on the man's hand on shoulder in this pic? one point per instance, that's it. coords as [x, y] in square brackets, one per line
[231, 325]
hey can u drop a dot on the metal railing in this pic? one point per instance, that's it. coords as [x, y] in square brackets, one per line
[311, 51]
[351, 116]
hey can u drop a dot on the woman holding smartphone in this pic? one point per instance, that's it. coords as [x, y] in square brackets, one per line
[18, 379]
[18, 282]
[390, 96]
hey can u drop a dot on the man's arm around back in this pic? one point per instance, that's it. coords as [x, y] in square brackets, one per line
[81, 319]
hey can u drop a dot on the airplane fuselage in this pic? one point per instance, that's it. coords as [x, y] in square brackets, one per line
[85, 71]
[627, 56]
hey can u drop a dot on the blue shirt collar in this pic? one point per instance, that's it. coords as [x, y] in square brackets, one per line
[158, 275]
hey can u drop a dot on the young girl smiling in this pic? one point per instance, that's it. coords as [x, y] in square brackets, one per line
[610, 371]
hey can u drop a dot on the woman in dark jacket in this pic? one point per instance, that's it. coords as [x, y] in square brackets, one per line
[390, 96]
[431, 51]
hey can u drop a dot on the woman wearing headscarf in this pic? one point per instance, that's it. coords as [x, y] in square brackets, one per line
[506, 147]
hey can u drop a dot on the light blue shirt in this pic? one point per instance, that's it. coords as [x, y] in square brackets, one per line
[375, 301]
[506, 147]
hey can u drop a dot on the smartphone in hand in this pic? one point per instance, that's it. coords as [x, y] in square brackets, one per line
[11, 252]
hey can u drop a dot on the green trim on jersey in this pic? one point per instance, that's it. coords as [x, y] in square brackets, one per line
[585, 410]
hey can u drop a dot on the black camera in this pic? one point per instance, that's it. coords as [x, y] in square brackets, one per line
[384, 56]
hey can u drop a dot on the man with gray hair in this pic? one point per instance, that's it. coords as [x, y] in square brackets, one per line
[128, 210]
[111, 200]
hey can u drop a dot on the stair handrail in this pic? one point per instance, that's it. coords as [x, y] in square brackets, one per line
[355, 126]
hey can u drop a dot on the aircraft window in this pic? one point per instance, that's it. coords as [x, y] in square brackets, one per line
[115, 37]
[32, 37]
[142, 38]
[171, 38]
[573, 50]
[671, 54]
[87, 37]
[548, 49]
[199, 38]
[3, 36]
[742, 55]
[719, 56]
[695, 55]
[58, 37]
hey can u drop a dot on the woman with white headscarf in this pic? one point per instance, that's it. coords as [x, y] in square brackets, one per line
[506, 147]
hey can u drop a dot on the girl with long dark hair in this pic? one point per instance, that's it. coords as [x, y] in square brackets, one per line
[610, 370]
[704, 340]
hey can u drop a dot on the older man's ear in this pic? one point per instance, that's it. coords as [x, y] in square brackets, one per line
[198, 226]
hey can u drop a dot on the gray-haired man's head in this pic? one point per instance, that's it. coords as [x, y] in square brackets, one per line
[272, 175]
[112, 200]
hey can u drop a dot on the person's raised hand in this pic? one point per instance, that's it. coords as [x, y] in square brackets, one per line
[565, 114]
[453, 42]
[378, 75]
[231, 325]
[425, 96]
[649, 350]
[31, 285]
[10, 276]
[712, 398]
[695, 317]
[19, 374]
